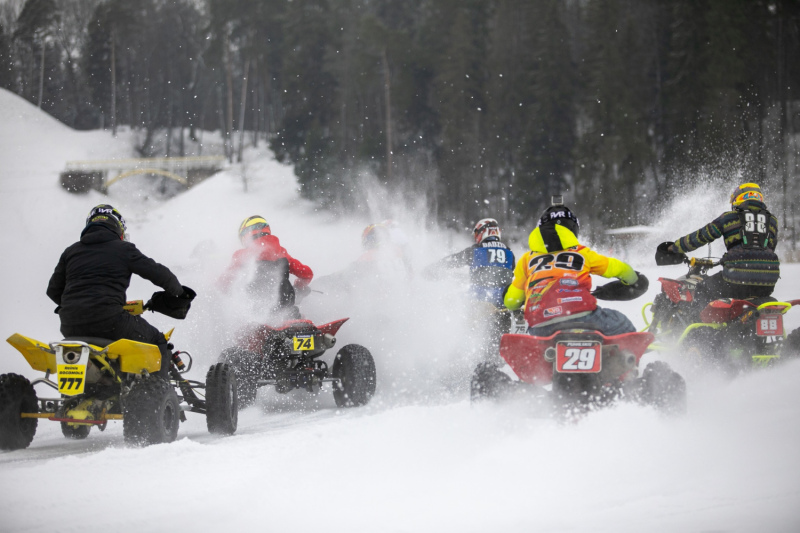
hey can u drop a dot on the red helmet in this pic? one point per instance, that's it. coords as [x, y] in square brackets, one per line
[486, 229]
[253, 228]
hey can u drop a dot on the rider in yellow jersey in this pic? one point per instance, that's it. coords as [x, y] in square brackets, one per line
[553, 279]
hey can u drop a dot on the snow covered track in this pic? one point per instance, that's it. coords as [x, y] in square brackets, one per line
[419, 457]
[728, 466]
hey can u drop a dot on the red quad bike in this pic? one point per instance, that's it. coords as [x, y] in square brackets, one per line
[584, 369]
[731, 334]
[289, 357]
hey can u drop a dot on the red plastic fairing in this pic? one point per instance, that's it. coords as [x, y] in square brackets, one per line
[290, 323]
[525, 353]
[725, 310]
[332, 327]
[675, 290]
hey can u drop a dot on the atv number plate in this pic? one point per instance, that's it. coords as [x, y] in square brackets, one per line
[303, 343]
[71, 369]
[769, 326]
[579, 356]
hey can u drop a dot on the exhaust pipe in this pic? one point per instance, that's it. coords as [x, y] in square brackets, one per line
[328, 340]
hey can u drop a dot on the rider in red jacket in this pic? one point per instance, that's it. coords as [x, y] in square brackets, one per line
[273, 265]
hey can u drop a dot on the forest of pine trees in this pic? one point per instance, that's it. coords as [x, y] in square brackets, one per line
[485, 107]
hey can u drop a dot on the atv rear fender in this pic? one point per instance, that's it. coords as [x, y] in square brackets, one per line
[133, 356]
[525, 353]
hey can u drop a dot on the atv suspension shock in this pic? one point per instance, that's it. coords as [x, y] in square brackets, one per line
[184, 386]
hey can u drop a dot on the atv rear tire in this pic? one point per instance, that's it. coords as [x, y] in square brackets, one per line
[354, 367]
[488, 382]
[222, 405]
[75, 432]
[663, 388]
[150, 412]
[245, 367]
[17, 396]
[791, 346]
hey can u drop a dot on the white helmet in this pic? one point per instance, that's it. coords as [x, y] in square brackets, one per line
[486, 229]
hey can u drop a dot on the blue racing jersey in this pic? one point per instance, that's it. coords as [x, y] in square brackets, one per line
[491, 269]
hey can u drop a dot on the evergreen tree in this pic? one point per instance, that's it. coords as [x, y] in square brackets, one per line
[305, 134]
[614, 150]
[35, 27]
[6, 62]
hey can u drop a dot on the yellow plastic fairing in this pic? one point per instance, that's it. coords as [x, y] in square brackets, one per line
[38, 355]
[135, 356]
[168, 334]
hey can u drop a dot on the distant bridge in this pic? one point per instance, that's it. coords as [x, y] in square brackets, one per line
[82, 176]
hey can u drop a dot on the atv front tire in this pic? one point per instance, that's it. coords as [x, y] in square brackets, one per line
[222, 405]
[245, 367]
[354, 368]
[488, 382]
[150, 412]
[17, 396]
[663, 388]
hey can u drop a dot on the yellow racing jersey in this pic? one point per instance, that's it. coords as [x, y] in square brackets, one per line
[538, 270]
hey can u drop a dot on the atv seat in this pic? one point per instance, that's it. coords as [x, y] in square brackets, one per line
[94, 341]
[580, 325]
[727, 309]
[758, 300]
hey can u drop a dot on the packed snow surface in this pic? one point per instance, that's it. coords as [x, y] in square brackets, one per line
[419, 457]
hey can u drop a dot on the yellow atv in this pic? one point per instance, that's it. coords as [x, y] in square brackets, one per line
[98, 380]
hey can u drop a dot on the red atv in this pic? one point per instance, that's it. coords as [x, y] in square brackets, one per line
[584, 369]
[581, 368]
[731, 333]
[289, 357]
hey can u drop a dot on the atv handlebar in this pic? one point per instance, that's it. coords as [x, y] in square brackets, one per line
[135, 307]
[701, 263]
[700, 266]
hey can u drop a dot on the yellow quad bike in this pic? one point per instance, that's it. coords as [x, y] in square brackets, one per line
[98, 380]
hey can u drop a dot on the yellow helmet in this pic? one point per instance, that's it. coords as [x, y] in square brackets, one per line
[744, 192]
[252, 228]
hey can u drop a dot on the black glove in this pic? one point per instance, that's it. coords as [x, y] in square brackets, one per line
[641, 285]
[187, 294]
[665, 257]
[172, 306]
[618, 291]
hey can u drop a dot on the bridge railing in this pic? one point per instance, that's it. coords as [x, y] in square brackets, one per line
[81, 176]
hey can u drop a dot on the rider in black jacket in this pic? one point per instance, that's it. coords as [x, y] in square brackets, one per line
[91, 277]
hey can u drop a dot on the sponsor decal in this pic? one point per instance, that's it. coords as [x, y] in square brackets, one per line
[568, 282]
[572, 275]
[569, 290]
[570, 299]
[553, 311]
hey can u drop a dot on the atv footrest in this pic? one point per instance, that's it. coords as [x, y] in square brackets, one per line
[273, 381]
[54, 418]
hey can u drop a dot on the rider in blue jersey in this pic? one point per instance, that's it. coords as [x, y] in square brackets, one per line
[490, 262]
